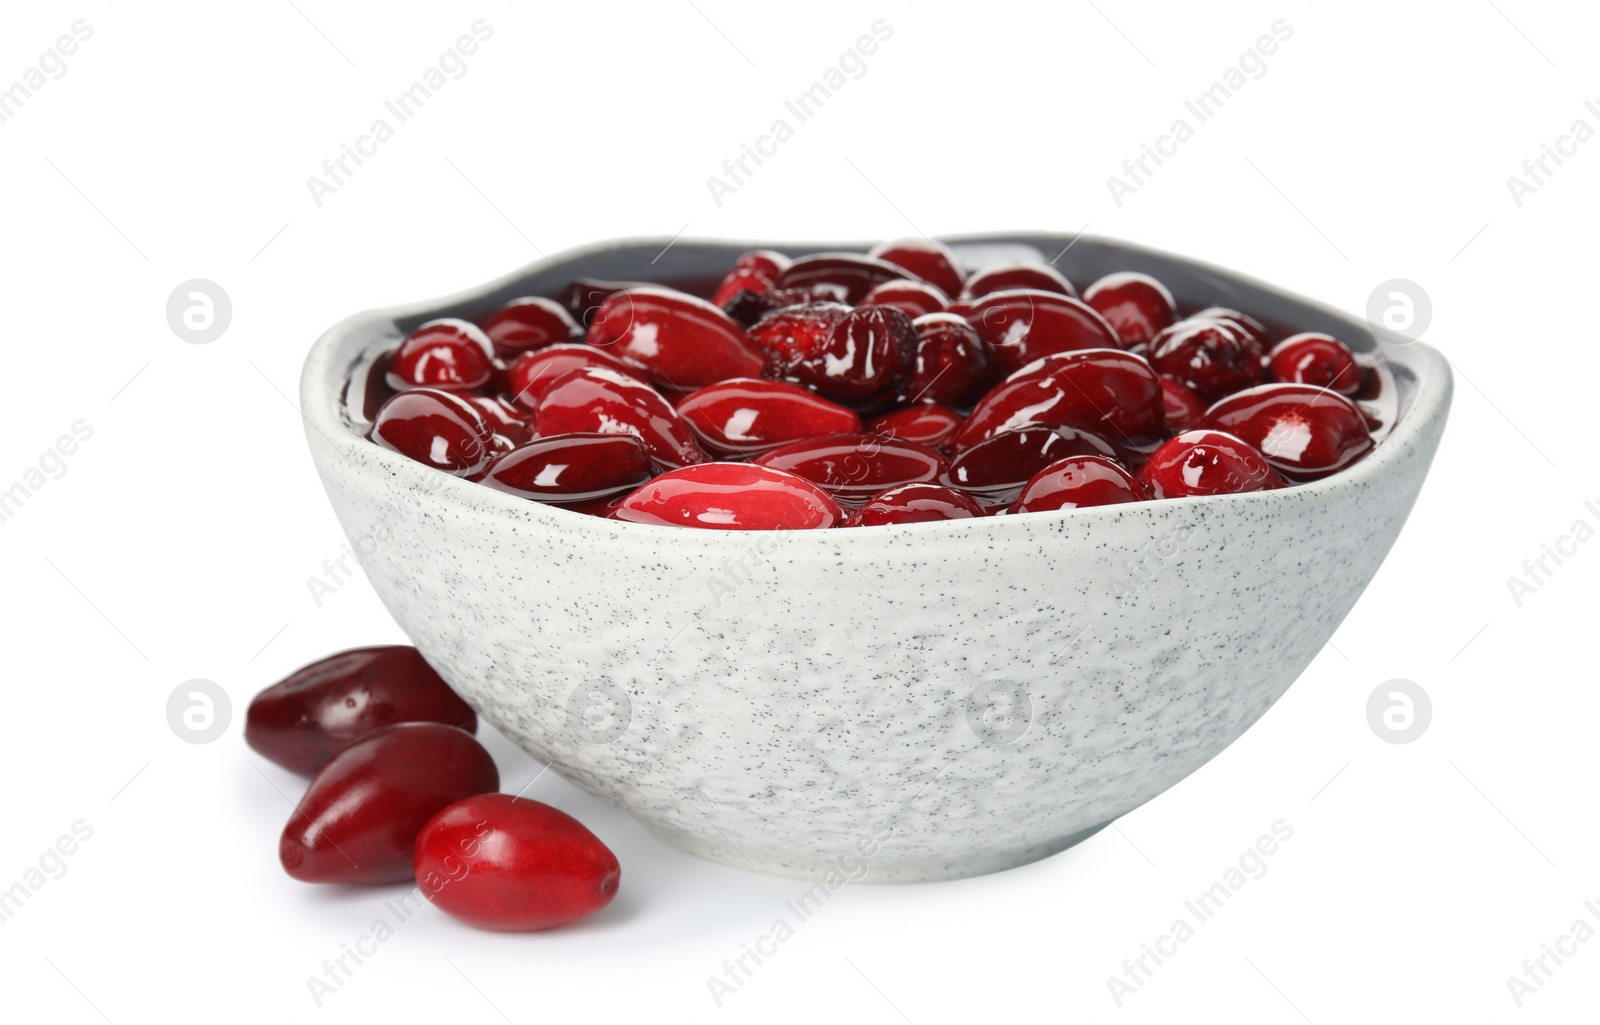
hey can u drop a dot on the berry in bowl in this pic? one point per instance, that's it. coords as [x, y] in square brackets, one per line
[972, 565]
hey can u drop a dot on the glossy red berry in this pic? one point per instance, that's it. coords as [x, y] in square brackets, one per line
[997, 468]
[731, 496]
[753, 272]
[572, 468]
[866, 353]
[524, 325]
[1136, 306]
[682, 342]
[1183, 406]
[318, 710]
[1316, 359]
[513, 865]
[1079, 482]
[1304, 432]
[748, 308]
[913, 298]
[1005, 277]
[439, 428]
[584, 296]
[796, 334]
[1114, 394]
[848, 276]
[511, 424]
[531, 373]
[953, 364]
[931, 261]
[1211, 357]
[599, 401]
[1203, 462]
[750, 415]
[926, 423]
[359, 819]
[1022, 325]
[447, 353]
[854, 467]
[915, 503]
[1249, 326]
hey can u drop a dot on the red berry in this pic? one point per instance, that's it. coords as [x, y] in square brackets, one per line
[753, 272]
[1247, 325]
[751, 415]
[1184, 408]
[1136, 306]
[510, 424]
[599, 401]
[1205, 462]
[584, 297]
[524, 325]
[953, 364]
[997, 468]
[854, 467]
[866, 353]
[915, 503]
[1022, 325]
[318, 710]
[439, 428]
[731, 496]
[682, 342]
[360, 817]
[847, 275]
[1079, 483]
[513, 865]
[1005, 277]
[1305, 432]
[572, 468]
[913, 298]
[1211, 357]
[926, 423]
[796, 334]
[1112, 393]
[926, 259]
[533, 372]
[748, 308]
[447, 353]
[1316, 359]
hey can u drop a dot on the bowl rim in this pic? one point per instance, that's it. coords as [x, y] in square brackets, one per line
[323, 378]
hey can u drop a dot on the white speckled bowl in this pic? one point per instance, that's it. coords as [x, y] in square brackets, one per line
[929, 701]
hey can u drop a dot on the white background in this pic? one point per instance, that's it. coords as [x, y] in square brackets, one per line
[178, 542]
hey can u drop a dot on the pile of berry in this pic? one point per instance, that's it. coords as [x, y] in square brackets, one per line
[846, 390]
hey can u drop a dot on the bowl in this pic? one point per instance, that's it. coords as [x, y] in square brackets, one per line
[890, 704]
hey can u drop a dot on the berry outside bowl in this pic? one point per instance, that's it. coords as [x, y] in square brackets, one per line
[930, 700]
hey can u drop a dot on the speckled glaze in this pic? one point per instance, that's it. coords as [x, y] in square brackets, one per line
[954, 697]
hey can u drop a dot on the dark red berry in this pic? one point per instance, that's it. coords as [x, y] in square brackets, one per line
[509, 864]
[1005, 277]
[867, 352]
[318, 710]
[848, 276]
[731, 496]
[913, 298]
[795, 334]
[584, 297]
[1184, 408]
[953, 364]
[1305, 432]
[1022, 325]
[854, 467]
[915, 503]
[926, 423]
[439, 428]
[682, 342]
[1203, 462]
[747, 307]
[1316, 359]
[997, 468]
[531, 373]
[510, 423]
[1114, 394]
[598, 401]
[1249, 326]
[1211, 357]
[753, 272]
[524, 325]
[1136, 306]
[572, 468]
[359, 819]
[1079, 483]
[929, 260]
[751, 415]
[448, 353]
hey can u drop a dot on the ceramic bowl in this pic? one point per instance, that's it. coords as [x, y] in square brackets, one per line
[906, 703]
